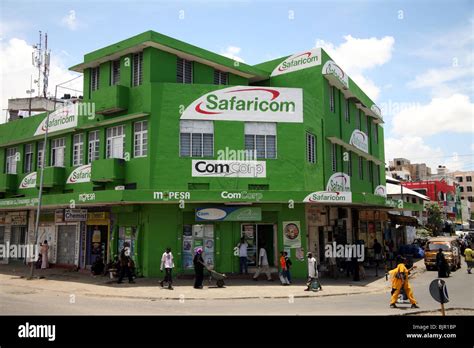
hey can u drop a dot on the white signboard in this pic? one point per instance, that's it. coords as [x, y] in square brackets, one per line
[63, 118]
[360, 140]
[332, 68]
[380, 191]
[329, 197]
[80, 174]
[28, 181]
[339, 182]
[376, 110]
[248, 103]
[75, 215]
[232, 169]
[299, 61]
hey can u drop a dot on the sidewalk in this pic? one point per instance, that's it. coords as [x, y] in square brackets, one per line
[13, 279]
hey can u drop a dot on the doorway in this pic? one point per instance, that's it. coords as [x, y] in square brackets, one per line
[18, 237]
[257, 235]
[97, 245]
[66, 246]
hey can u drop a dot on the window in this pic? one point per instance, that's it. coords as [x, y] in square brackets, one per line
[29, 158]
[331, 98]
[361, 168]
[349, 164]
[11, 160]
[358, 120]
[368, 128]
[40, 158]
[94, 146]
[468, 178]
[459, 178]
[140, 139]
[462, 198]
[377, 176]
[333, 158]
[137, 72]
[375, 131]
[469, 188]
[57, 152]
[196, 139]
[78, 150]
[95, 78]
[116, 142]
[310, 148]
[115, 73]
[369, 171]
[260, 139]
[470, 199]
[347, 111]
[221, 78]
[461, 189]
[184, 71]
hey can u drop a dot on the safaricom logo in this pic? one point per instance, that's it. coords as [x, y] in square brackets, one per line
[236, 103]
[332, 68]
[298, 61]
[28, 181]
[64, 119]
[248, 103]
[360, 140]
[80, 174]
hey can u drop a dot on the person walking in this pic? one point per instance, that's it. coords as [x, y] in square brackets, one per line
[167, 263]
[377, 256]
[283, 278]
[312, 272]
[44, 255]
[124, 260]
[288, 267]
[468, 257]
[262, 265]
[442, 264]
[400, 281]
[243, 256]
[198, 262]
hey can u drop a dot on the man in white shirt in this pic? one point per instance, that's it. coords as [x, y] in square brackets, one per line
[243, 256]
[168, 264]
[312, 271]
[262, 264]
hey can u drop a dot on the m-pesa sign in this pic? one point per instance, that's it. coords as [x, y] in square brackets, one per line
[248, 103]
[63, 118]
[298, 61]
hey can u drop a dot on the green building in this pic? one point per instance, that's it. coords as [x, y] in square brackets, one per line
[175, 146]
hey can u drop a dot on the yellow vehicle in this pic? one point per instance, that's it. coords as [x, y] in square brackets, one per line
[451, 251]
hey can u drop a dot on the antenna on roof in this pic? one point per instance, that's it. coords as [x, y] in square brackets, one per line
[41, 61]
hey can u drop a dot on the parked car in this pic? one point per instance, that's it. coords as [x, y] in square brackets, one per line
[451, 250]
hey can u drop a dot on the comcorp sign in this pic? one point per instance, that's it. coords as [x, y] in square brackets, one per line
[331, 68]
[28, 181]
[360, 140]
[79, 175]
[298, 61]
[233, 169]
[245, 103]
[329, 197]
[63, 118]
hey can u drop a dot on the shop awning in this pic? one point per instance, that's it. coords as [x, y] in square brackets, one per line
[403, 220]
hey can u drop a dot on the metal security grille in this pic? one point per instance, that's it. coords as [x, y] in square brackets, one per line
[310, 148]
[95, 78]
[137, 72]
[361, 168]
[40, 158]
[220, 77]
[94, 146]
[78, 150]
[28, 158]
[184, 71]
[196, 139]
[115, 74]
[333, 158]
[260, 139]
[66, 245]
[331, 98]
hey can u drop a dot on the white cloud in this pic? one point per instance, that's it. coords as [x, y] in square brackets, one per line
[451, 114]
[16, 70]
[70, 20]
[232, 52]
[356, 56]
[444, 82]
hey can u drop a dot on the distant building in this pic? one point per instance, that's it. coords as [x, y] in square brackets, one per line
[403, 169]
[464, 180]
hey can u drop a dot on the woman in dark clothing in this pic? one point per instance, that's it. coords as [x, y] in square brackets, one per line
[198, 269]
[442, 265]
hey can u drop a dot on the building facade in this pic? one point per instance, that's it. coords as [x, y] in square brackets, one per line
[175, 146]
[465, 187]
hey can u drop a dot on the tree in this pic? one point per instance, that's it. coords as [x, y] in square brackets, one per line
[435, 222]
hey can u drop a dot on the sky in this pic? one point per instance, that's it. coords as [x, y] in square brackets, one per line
[413, 58]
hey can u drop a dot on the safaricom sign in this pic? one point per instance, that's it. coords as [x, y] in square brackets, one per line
[329, 197]
[28, 181]
[248, 103]
[79, 175]
[360, 140]
[298, 61]
[63, 118]
[332, 68]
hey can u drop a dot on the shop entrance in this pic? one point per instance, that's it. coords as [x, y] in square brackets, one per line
[18, 237]
[96, 243]
[257, 235]
[66, 246]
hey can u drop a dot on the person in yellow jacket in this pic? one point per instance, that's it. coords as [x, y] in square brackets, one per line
[400, 281]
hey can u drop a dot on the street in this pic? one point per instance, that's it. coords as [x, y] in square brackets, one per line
[15, 300]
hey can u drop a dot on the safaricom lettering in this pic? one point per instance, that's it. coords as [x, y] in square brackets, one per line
[301, 61]
[214, 103]
[60, 121]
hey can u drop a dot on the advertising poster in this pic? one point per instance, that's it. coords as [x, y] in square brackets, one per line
[187, 261]
[187, 245]
[198, 231]
[291, 234]
[209, 246]
[187, 231]
[300, 254]
[209, 260]
[197, 245]
[248, 231]
[209, 231]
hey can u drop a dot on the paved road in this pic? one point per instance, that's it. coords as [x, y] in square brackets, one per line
[28, 302]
